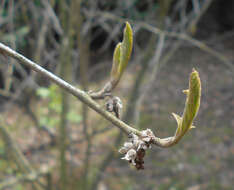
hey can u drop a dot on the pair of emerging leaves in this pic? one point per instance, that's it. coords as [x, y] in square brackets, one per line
[192, 105]
[121, 55]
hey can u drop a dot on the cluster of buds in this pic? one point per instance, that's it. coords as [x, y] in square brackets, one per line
[134, 150]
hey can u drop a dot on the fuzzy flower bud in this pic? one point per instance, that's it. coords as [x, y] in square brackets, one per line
[130, 156]
[135, 149]
[127, 146]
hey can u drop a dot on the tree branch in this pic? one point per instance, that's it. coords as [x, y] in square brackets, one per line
[81, 95]
[85, 98]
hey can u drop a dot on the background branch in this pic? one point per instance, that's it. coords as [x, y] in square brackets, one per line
[17, 154]
[31, 177]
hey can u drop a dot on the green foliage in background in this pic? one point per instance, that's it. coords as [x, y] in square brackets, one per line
[18, 36]
[49, 116]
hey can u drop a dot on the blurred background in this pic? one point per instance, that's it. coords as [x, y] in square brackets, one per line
[49, 140]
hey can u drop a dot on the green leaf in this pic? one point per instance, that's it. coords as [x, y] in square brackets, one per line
[74, 117]
[116, 62]
[55, 105]
[53, 122]
[2, 148]
[23, 31]
[43, 121]
[19, 187]
[125, 48]
[178, 121]
[18, 34]
[192, 105]
[43, 92]
[122, 55]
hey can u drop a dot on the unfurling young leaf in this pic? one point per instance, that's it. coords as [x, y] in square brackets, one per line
[125, 48]
[122, 55]
[191, 106]
[116, 62]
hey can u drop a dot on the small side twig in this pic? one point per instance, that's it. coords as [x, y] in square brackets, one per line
[104, 92]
